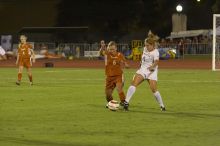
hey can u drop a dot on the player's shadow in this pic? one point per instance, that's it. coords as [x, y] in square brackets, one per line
[18, 141]
[177, 114]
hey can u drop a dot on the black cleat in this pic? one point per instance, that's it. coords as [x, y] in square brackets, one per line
[106, 105]
[126, 105]
[163, 108]
[18, 83]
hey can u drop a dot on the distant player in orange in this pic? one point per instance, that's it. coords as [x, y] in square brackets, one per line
[114, 63]
[24, 58]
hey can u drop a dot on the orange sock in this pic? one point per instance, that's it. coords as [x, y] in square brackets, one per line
[30, 78]
[19, 76]
[122, 96]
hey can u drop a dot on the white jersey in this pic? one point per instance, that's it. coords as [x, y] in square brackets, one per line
[148, 58]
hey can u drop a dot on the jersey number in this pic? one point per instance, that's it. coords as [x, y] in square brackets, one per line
[114, 62]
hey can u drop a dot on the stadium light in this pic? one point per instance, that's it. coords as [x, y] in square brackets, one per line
[198, 0]
[179, 8]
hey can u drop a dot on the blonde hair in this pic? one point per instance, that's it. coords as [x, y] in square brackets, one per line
[24, 36]
[111, 43]
[151, 39]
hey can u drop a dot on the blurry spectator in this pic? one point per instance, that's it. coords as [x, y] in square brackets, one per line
[163, 43]
[126, 50]
[77, 52]
[195, 44]
[204, 44]
[205, 40]
[188, 45]
[95, 46]
[181, 47]
[44, 47]
[136, 53]
[66, 50]
[102, 49]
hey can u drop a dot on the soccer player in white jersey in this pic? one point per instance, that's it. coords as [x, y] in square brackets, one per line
[148, 71]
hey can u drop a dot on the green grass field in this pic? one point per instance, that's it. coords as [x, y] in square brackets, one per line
[66, 107]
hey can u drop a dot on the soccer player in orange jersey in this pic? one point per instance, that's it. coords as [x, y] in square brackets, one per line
[114, 63]
[24, 58]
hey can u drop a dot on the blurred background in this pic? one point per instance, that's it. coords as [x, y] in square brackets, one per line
[62, 26]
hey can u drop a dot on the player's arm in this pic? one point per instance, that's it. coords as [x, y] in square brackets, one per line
[33, 55]
[17, 59]
[152, 67]
[124, 62]
[17, 55]
[155, 63]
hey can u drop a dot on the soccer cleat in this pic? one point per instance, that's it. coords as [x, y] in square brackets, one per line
[106, 105]
[163, 108]
[18, 83]
[126, 105]
[31, 83]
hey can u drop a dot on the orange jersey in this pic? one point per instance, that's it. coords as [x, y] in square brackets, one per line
[24, 50]
[113, 64]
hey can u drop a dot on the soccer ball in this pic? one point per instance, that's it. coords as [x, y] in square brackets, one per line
[113, 105]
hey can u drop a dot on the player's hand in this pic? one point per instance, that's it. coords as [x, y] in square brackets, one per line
[126, 65]
[151, 68]
[34, 61]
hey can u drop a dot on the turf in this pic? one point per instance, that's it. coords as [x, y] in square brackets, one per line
[66, 107]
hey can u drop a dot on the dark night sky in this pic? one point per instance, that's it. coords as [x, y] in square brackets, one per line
[16, 14]
[104, 16]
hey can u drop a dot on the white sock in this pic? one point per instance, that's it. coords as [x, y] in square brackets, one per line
[158, 98]
[130, 92]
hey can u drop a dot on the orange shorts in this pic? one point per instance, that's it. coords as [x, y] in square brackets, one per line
[111, 81]
[26, 62]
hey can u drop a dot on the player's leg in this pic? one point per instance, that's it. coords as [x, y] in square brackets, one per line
[108, 93]
[119, 87]
[109, 87]
[20, 70]
[131, 90]
[30, 75]
[153, 87]
[28, 65]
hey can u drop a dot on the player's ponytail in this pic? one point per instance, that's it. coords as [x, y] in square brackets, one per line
[152, 39]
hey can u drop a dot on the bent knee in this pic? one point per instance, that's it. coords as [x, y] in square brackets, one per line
[154, 90]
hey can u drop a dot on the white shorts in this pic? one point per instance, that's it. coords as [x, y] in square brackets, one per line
[148, 74]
